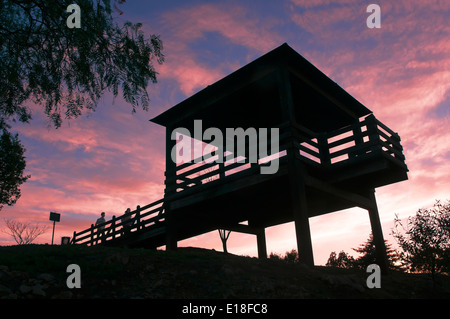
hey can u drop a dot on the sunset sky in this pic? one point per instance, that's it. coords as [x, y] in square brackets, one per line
[112, 159]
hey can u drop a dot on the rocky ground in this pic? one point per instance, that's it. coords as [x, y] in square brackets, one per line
[40, 272]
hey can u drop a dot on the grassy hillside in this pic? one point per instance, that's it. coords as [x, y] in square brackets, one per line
[39, 271]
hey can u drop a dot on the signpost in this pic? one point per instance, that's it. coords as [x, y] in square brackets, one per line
[55, 217]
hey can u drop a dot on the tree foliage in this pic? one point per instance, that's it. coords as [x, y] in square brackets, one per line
[366, 258]
[425, 239]
[289, 257]
[368, 255]
[343, 260]
[67, 70]
[12, 166]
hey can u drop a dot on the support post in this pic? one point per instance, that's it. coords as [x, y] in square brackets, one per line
[171, 165]
[302, 230]
[171, 231]
[261, 242]
[296, 173]
[257, 228]
[377, 233]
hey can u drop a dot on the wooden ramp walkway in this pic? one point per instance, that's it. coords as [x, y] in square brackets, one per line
[142, 227]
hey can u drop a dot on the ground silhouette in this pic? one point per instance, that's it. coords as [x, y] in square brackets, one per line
[39, 271]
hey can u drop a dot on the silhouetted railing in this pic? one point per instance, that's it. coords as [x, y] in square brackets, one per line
[366, 138]
[142, 218]
[346, 145]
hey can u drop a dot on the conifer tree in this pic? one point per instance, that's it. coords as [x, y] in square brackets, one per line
[368, 255]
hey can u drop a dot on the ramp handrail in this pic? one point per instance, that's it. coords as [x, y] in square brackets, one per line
[130, 222]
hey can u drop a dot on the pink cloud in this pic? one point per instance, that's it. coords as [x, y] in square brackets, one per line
[234, 23]
[190, 75]
[187, 25]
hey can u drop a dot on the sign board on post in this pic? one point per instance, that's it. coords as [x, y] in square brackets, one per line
[55, 217]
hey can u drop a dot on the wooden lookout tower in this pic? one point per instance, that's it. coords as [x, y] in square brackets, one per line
[332, 154]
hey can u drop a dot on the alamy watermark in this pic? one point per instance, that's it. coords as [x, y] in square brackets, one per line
[74, 279]
[233, 140]
[374, 280]
[374, 19]
[74, 20]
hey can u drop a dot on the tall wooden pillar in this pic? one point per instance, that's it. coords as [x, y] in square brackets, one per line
[377, 233]
[299, 205]
[300, 212]
[170, 188]
[171, 230]
[261, 242]
[257, 228]
[296, 173]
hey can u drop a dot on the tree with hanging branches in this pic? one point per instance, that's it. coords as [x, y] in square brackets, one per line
[66, 70]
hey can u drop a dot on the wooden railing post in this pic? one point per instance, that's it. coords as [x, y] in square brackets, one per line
[222, 168]
[372, 133]
[324, 150]
[74, 237]
[251, 150]
[138, 217]
[358, 138]
[398, 146]
[113, 227]
[92, 234]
